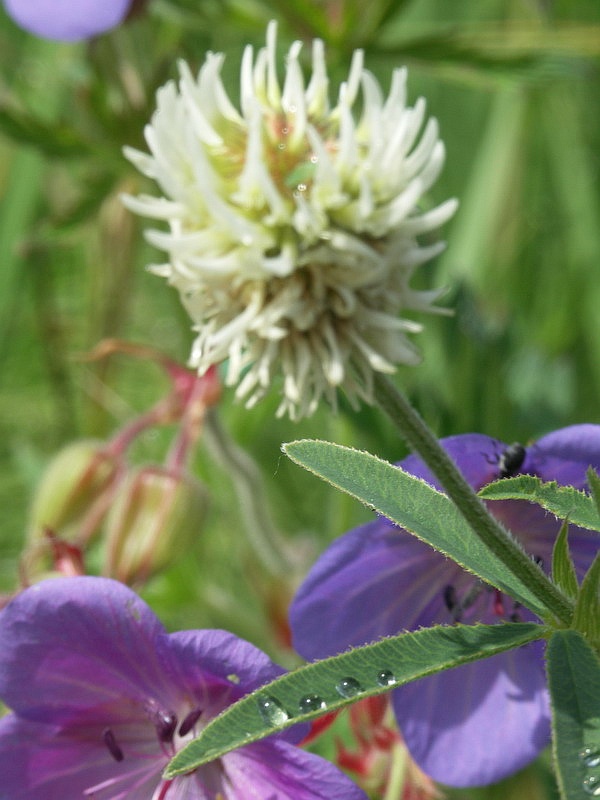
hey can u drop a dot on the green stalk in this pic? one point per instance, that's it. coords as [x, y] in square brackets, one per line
[261, 530]
[486, 527]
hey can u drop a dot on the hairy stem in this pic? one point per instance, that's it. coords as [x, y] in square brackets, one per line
[422, 441]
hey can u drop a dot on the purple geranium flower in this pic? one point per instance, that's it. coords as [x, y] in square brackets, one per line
[102, 697]
[478, 723]
[67, 20]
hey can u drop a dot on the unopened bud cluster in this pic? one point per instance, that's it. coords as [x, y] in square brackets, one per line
[144, 516]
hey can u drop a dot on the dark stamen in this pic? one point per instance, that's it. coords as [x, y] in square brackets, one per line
[166, 724]
[109, 740]
[450, 598]
[515, 616]
[189, 721]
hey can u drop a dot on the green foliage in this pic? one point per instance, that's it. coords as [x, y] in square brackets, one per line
[564, 502]
[514, 87]
[333, 683]
[594, 484]
[563, 569]
[59, 141]
[574, 681]
[586, 617]
[413, 504]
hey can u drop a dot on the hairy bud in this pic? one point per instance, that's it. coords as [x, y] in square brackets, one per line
[74, 492]
[155, 515]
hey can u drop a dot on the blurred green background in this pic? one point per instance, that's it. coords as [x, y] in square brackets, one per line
[515, 85]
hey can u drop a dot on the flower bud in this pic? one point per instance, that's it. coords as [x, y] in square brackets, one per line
[74, 491]
[154, 517]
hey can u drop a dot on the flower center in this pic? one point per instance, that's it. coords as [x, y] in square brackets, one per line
[170, 731]
[477, 601]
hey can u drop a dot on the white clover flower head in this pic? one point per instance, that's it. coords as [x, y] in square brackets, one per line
[292, 224]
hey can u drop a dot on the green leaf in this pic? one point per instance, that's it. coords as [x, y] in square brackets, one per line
[331, 684]
[594, 484]
[562, 501]
[53, 140]
[586, 616]
[413, 504]
[574, 681]
[563, 570]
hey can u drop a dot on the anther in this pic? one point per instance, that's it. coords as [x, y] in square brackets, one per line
[109, 740]
[450, 598]
[515, 615]
[189, 721]
[166, 724]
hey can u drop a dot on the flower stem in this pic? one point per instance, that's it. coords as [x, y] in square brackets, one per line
[486, 527]
[397, 775]
[261, 530]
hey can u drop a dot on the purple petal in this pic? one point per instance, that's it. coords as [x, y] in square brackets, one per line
[67, 20]
[378, 580]
[375, 581]
[93, 674]
[476, 724]
[562, 456]
[222, 655]
[220, 667]
[41, 762]
[277, 770]
[71, 644]
[566, 454]
[477, 457]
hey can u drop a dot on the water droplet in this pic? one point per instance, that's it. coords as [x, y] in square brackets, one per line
[311, 702]
[301, 187]
[314, 159]
[590, 756]
[272, 711]
[281, 146]
[591, 786]
[386, 678]
[348, 687]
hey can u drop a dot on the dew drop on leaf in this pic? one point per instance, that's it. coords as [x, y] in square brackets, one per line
[591, 786]
[272, 711]
[348, 687]
[386, 678]
[590, 756]
[311, 702]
